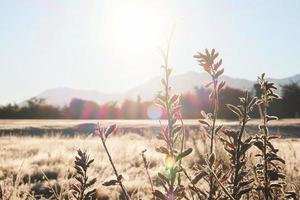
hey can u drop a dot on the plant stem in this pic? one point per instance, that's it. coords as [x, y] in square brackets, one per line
[147, 171]
[237, 153]
[194, 186]
[219, 182]
[266, 181]
[49, 185]
[216, 102]
[83, 186]
[181, 147]
[214, 116]
[115, 171]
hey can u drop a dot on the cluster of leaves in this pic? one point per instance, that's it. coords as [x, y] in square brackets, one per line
[270, 174]
[81, 189]
[238, 180]
[211, 170]
[171, 134]
[239, 183]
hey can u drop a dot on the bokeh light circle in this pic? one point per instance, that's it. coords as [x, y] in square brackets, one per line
[154, 112]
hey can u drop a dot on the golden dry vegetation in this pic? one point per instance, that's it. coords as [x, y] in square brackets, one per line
[27, 161]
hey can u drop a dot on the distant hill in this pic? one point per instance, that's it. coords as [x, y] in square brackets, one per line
[147, 91]
[184, 83]
[62, 96]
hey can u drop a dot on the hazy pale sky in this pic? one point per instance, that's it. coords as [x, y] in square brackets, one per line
[112, 45]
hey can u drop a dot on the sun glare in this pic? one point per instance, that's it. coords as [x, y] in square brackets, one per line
[138, 25]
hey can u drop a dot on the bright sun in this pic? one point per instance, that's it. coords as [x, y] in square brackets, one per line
[137, 25]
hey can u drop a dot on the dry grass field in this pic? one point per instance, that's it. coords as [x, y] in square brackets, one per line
[32, 167]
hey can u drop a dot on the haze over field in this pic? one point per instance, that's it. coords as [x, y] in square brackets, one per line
[181, 84]
[112, 45]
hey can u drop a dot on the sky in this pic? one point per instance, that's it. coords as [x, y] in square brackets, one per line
[114, 45]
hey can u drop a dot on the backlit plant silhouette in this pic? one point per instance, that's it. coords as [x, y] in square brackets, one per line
[212, 167]
[81, 189]
[269, 171]
[104, 133]
[170, 134]
[237, 147]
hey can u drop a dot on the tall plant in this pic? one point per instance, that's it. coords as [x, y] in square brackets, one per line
[170, 134]
[237, 147]
[212, 170]
[81, 189]
[269, 170]
[208, 61]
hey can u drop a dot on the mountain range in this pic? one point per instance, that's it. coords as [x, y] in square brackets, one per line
[181, 84]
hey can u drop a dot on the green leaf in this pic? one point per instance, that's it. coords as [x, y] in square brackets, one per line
[252, 103]
[230, 133]
[273, 137]
[221, 85]
[173, 99]
[110, 183]
[235, 110]
[176, 129]
[259, 145]
[159, 195]
[277, 185]
[198, 177]
[184, 154]
[169, 71]
[159, 102]
[270, 118]
[219, 73]
[163, 179]
[110, 130]
[203, 114]
[201, 121]
[218, 128]
[218, 64]
[91, 182]
[162, 150]
[245, 183]
[208, 84]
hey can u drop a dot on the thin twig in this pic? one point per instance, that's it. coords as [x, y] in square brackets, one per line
[146, 167]
[114, 168]
[219, 182]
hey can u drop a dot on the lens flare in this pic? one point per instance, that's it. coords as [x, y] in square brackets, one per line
[170, 161]
[154, 112]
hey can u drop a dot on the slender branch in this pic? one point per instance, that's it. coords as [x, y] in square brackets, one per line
[211, 185]
[237, 153]
[181, 147]
[214, 116]
[114, 168]
[265, 139]
[194, 186]
[219, 182]
[146, 167]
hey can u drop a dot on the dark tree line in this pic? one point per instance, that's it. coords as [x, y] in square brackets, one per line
[192, 103]
[33, 109]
